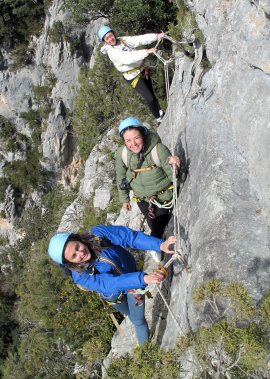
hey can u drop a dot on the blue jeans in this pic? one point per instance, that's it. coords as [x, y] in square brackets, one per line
[135, 311]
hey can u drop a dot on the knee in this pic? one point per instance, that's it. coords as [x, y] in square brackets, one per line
[138, 321]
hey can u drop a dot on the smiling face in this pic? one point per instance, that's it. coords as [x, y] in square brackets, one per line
[76, 252]
[110, 39]
[133, 140]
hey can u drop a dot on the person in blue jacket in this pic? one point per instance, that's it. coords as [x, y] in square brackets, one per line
[98, 261]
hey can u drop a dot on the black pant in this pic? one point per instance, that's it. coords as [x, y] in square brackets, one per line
[145, 89]
[158, 224]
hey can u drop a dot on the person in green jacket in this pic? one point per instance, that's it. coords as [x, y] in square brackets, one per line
[143, 164]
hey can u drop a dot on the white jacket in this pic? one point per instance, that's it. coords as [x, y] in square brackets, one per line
[123, 55]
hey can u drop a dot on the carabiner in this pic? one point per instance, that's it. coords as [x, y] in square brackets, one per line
[151, 211]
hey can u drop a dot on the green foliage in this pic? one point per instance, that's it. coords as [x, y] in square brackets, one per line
[264, 309]
[42, 96]
[3, 186]
[19, 20]
[240, 300]
[21, 56]
[114, 204]
[56, 32]
[32, 118]
[13, 368]
[85, 10]
[38, 222]
[39, 356]
[3, 240]
[148, 362]
[240, 350]
[7, 134]
[7, 323]
[146, 16]
[7, 129]
[60, 32]
[151, 15]
[110, 154]
[41, 92]
[50, 78]
[212, 288]
[93, 353]
[25, 175]
[237, 297]
[12, 140]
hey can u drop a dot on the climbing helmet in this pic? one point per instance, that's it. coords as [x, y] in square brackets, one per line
[57, 246]
[103, 31]
[131, 122]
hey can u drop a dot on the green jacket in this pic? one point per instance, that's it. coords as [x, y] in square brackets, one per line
[145, 183]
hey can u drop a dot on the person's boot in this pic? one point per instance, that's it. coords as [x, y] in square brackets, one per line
[161, 115]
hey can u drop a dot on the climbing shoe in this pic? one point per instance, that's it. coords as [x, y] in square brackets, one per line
[161, 115]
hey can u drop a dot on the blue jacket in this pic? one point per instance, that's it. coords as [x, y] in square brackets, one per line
[108, 282]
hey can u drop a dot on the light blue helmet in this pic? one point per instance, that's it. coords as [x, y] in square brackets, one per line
[131, 121]
[56, 246]
[103, 31]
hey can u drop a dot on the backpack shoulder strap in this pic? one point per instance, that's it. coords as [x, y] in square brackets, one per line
[155, 156]
[110, 262]
[125, 156]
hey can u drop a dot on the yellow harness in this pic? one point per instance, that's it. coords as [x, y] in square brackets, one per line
[137, 77]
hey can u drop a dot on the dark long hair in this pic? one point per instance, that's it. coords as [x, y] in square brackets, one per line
[94, 249]
[142, 130]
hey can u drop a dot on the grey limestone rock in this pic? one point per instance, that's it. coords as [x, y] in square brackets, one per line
[9, 207]
[96, 184]
[223, 136]
[102, 198]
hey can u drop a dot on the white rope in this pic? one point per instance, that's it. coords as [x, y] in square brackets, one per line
[178, 250]
[169, 309]
[172, 147]
[168, 205]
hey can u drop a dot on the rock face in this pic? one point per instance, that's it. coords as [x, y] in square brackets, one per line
[17, 94]
[54, 59]
[224, 135]
[96, 184]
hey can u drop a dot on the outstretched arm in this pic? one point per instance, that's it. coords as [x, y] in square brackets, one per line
[144, 39]
[104, 283]
[126, 237]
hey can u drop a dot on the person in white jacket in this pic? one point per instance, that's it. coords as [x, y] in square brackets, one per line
[129, 61]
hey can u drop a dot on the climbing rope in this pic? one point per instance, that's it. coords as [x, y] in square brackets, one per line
[169, 309]
[180, 256]
[167, 205]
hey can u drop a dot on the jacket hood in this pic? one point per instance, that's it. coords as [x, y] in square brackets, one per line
[104, 49]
